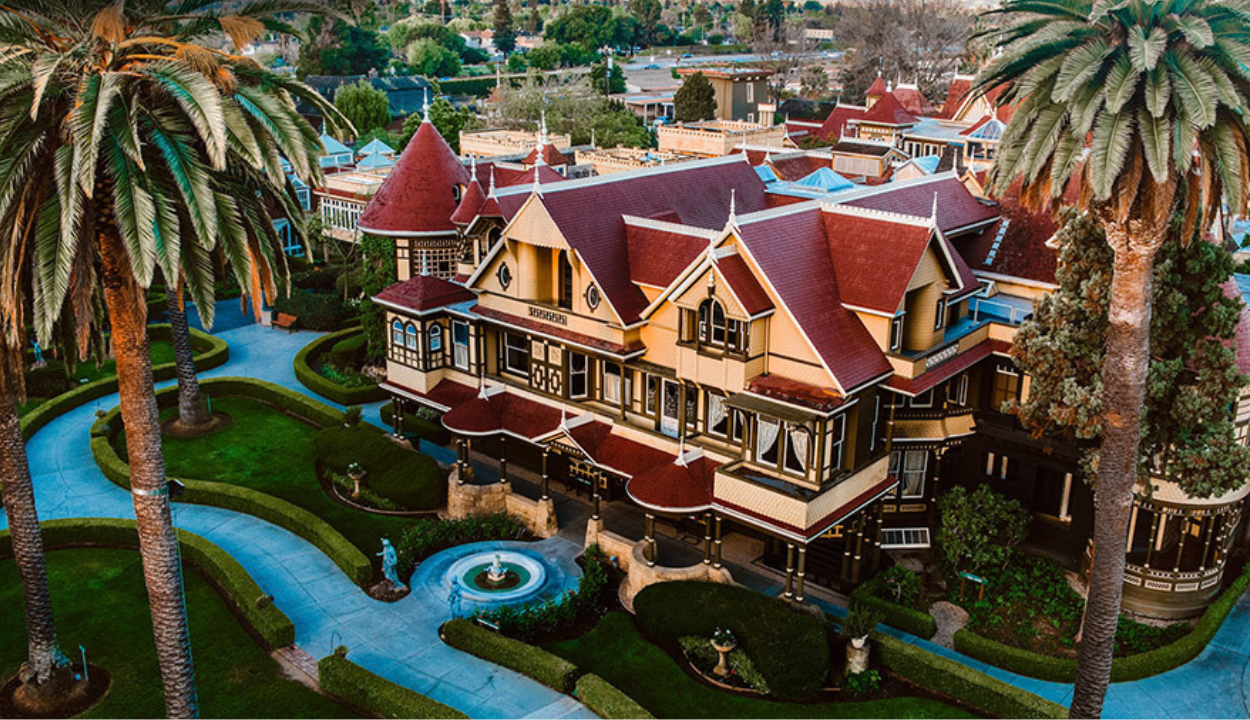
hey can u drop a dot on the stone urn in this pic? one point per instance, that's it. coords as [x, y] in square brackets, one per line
[356, 473]
[857, 655]
[723, 642]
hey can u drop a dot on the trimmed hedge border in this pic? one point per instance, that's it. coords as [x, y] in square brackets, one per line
[350, 682]
[425, 429]
[954, 679]
[606, 701]
[231, 579]
[234, 497]
[551, 670]
[325, 387]
[210, 352]
[1123, 669]
[920, 624]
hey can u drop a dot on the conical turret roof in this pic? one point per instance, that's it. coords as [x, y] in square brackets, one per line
[419, 195]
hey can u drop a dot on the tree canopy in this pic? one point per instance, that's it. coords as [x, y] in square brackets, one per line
[695, 100]
[364, 105]
[505, 33]
[336, 47]
[431, 59]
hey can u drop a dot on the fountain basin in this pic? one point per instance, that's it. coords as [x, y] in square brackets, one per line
[524, 576]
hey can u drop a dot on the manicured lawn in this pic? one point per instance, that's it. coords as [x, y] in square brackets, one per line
[616, 651]
[88, 371]
[101, 603]
[270, 451]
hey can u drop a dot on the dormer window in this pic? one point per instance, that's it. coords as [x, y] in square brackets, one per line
[717, 330]
[565, 280]
[939, 315]
[896, 333]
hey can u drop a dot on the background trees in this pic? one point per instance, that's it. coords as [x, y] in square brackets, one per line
[366, 107]
[695, 100]
[505, 34]
[336, 47]
[918, 41]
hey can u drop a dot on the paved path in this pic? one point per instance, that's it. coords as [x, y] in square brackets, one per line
[398, 641]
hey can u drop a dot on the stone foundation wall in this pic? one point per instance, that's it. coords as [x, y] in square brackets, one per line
[465, 501]
[631, 559]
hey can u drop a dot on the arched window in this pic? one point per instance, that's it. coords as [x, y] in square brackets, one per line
[397, 332]
[565, 281]
[410, 336]
[436, 338]
[712, 323]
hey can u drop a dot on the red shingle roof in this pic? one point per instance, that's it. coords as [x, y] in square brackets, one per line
[947, 370]
[424, 292]
[793, 253]
[470, 203]
[956, 207]
[833, 126]
[445, 395]
[502, 410]
[675, 487]
[955, 97]
[1241, 341]
[913, 101]
[888, 111]
[744, 285]
[792, 391]
[874, 258]
[657, 257]
[797, 168]
[877, 87]
[419, 194]
[551, 156]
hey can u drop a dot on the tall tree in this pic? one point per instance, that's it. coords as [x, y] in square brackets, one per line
[648, 14]
[695, 100]
[906, 40]
[141, 148]
[505, 33]
[366, 107]
[193, 411]
[1143, 104]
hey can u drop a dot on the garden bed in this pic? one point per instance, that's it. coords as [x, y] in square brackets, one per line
[331, 367]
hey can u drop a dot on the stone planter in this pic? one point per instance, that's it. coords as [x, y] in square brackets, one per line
[722, 665]
[356, 478]
[857, 655]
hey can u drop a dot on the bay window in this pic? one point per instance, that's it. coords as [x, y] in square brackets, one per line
[460, 344]
[516, 355]
[910, 468]
[579, 380]
[782, 445]
[410, 337]
[612, 383]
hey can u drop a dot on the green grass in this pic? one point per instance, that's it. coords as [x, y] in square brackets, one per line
[100, 603]
[162, 352]
[267, 450]
[615, 651]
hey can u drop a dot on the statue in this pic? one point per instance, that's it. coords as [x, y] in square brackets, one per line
[38, 354]
[453, 598]
[389, 560]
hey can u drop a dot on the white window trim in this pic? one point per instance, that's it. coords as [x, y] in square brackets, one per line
[901, 533]
[456, 357]
[507, 366]
[584, 373]
[924, 474]
[896, 332]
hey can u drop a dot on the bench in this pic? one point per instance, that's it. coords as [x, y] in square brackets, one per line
[286, 322]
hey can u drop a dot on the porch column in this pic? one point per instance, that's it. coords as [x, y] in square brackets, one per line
[649, 536]
[716, 545]
[847, 532]
[503, 458]
[1208, 532]
[546, 477]
[397, 418]
[876, 537]
[857, 561]
[594, 490]
[462, 458]
[1180, 548]
[789, 591]
[798, 588]
[1154, 533]
[707, 538]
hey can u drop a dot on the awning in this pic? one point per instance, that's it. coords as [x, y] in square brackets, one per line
[783, 411]
[495, 410]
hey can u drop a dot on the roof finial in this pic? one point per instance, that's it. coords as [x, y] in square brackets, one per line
[733, 202]
[933, 215]
[744, 147]
[426, 107]
[492, 182]
[538, 188]
[473, 167]
[543, 130]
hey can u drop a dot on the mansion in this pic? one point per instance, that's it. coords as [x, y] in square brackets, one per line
[738, 351]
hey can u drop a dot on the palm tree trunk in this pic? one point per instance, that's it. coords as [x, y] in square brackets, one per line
[158, 544]
[43, 655]
[1124, 386]
[192, 408]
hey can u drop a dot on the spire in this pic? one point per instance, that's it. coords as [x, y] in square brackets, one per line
[538, 188]
[744, 148]
[491, 194]
[933, 214]
[473, 167]
[733, 205]
[543, 130]
[425, 110]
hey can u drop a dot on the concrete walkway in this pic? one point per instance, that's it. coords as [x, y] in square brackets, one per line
[398, 641]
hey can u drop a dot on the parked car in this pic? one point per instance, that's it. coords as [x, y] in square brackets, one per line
[652, 66]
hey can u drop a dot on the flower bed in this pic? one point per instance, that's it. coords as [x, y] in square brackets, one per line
[423, 538]
[531, 621]
[407, 479]
[344, 384]
[743, 674]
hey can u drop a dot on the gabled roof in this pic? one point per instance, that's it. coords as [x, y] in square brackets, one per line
[376, 146]
[657, 255]
[471, 203]
[800, 271]
[955, 96]
[422, 293]
[550, 155]
[1014, 246]
[875, 256]
[799, 166]
[418, 197]
[912, 100]
[888, 111]
[927, 164]
[835, 123]
[957, 209]
[743, 285]
[877, 87]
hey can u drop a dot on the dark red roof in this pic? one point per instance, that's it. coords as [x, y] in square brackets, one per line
[588, 214]
[833, 126]
[837, 515]
[875, 258]
[877, 87]
[500, 409]
[445, 395]
[675, 487]
[888, 111]
[811, 396]
[793, 253]
[945, 371]
[419, 194]
[913, 101]
[424, 292]
[657, 257]
[556, 331]
[622, 455]
[797, 168]
[744, 285]
[955, 97]
[957, 209]
[470, 203]
[1021, 249]
[551, 156]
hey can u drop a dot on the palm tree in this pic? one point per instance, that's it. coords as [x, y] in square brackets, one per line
[192, 407]
[128, 145]
[1143, 104]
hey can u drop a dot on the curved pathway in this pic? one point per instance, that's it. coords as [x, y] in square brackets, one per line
[398, 641]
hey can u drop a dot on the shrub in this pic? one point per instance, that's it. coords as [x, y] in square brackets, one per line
[367, 497]
[700, 652]
[48, 381]
[535, 619]
[979, 530]
[551, 670]
[790, 648]
[424, 428]
[314, 279]
[359, 687]
[425, 537]
[411, 479]
[229, 577]
[348, 352]
[310, 359]
[900, 585]
[606, 701]
[954, 679]
[861, 620]
[915, 622]
[352, 415]
[862, 683]
[316, 311]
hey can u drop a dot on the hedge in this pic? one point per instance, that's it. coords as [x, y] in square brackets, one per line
[1123, 669]
[789, 648]
[210, 352]
[231, 579]
[550, 670]
[234, 497]
[324, 386]
[416, 425]
[920, 624]
[606, 701]
[954, 679]
[411, 479]
[359, 687]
